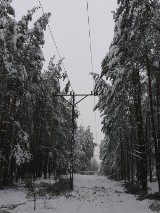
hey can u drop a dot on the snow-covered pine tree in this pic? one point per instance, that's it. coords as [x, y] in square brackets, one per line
[13, 137]
[131, 66]
[84, 149]
[34, 125]
[57, 118]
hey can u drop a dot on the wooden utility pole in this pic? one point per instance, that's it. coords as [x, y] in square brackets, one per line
[73, 104]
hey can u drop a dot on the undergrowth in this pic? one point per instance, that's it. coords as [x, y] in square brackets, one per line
[49, 189]
[133, 188]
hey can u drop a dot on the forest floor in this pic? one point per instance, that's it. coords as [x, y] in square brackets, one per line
[92, 194]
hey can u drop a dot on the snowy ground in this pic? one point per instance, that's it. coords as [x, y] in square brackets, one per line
[92, 194]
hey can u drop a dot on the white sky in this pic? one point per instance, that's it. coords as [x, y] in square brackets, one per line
[70, 29]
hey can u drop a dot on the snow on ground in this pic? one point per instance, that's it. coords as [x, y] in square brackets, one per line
[92, 194]
[12, 196]
[153, 187]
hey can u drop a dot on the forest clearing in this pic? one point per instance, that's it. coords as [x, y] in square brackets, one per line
[48, 158]
[92, 193]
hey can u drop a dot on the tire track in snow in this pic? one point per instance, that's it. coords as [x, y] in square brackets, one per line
[81, 204]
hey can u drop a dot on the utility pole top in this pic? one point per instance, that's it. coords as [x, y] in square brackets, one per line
[93, 93]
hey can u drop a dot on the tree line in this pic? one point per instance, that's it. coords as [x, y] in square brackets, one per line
[35, 125]
[129, 94]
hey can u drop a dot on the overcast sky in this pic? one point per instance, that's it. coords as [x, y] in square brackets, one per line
[70, 29]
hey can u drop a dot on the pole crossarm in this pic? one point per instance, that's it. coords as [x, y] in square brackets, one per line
[93, 93]
[71, 94]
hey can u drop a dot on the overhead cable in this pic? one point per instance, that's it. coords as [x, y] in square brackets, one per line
[90, 36]
[91, 54]
[56, 46]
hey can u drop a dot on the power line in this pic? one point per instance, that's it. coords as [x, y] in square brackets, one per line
[90, 46]
[56, 46]
[91, 54]
[51, 32]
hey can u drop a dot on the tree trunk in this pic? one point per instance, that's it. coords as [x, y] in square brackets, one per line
[140, 132]
[153, 121]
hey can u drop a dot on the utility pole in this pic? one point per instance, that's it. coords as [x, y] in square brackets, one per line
[73, 104]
